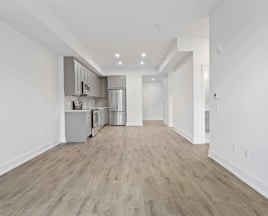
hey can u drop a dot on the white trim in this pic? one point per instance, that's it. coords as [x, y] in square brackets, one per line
[4, 168]
[257, 184]
[62, 97]
[184, 134]
[154, 118]
[199, 141]
[134, 124]
[207, 138]
[168, 125]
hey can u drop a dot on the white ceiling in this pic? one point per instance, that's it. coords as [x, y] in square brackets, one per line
[127, 27]
[94, 30]
[153, 78]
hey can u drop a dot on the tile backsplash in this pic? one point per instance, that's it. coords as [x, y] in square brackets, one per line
[87, 102]
[101, 102]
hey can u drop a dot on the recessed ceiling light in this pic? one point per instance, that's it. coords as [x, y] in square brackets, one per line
[143, 54]
[117, 55]
[142, 62]
[120, 63]
[152, 79]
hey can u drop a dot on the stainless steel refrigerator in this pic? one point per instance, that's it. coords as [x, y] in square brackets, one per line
[117, 106]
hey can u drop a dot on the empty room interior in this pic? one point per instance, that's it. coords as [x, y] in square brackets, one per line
[133, 108]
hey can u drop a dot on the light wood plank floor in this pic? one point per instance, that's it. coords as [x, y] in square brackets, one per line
[127, 171]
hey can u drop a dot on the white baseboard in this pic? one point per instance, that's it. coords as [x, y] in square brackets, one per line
[199, 141]
[4, 168]
[154, 118]
[184, 134]
[257, 184]
[134, 124]
[207, 139]
[168, 125]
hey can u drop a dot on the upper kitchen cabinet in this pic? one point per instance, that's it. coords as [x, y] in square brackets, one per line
[95, 85]
[79, 80]
[103, 87]
[98, 86]
[72, 76]
[116, 82]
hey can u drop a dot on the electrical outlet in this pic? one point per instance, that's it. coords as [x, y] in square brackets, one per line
[246, 154]
[234, 148]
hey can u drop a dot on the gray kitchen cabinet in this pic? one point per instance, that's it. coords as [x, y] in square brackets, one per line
[72, 76]
[78, 125]
[90, 79]
[103, 87]
[82, 73]
[103, 116]
[87, 76]
[116, 82]
[75, 73]
[106, 115]
[94, 82]
[96, 86]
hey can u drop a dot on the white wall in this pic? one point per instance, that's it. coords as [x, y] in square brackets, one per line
[200, 49]
[205, 86]
[239, 76]
[183, 100]
[134, 99]
[49, 30]
[134, 93]
[168, 100]
[30, 107]
[152, 95]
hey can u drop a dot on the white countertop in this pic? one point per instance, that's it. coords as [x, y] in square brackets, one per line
[86, 110]
[78, 110]
[100, 107]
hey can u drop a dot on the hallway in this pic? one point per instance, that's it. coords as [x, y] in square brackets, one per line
[126, 171]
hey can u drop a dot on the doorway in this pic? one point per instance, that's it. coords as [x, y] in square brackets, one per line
[152, 99]
[206, 100]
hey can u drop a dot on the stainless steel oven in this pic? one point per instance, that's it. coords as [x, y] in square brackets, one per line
[95, 122]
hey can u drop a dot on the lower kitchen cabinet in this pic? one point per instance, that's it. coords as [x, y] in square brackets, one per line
[103, 116]
[106, 117]
[78, 125]
[102, 123]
